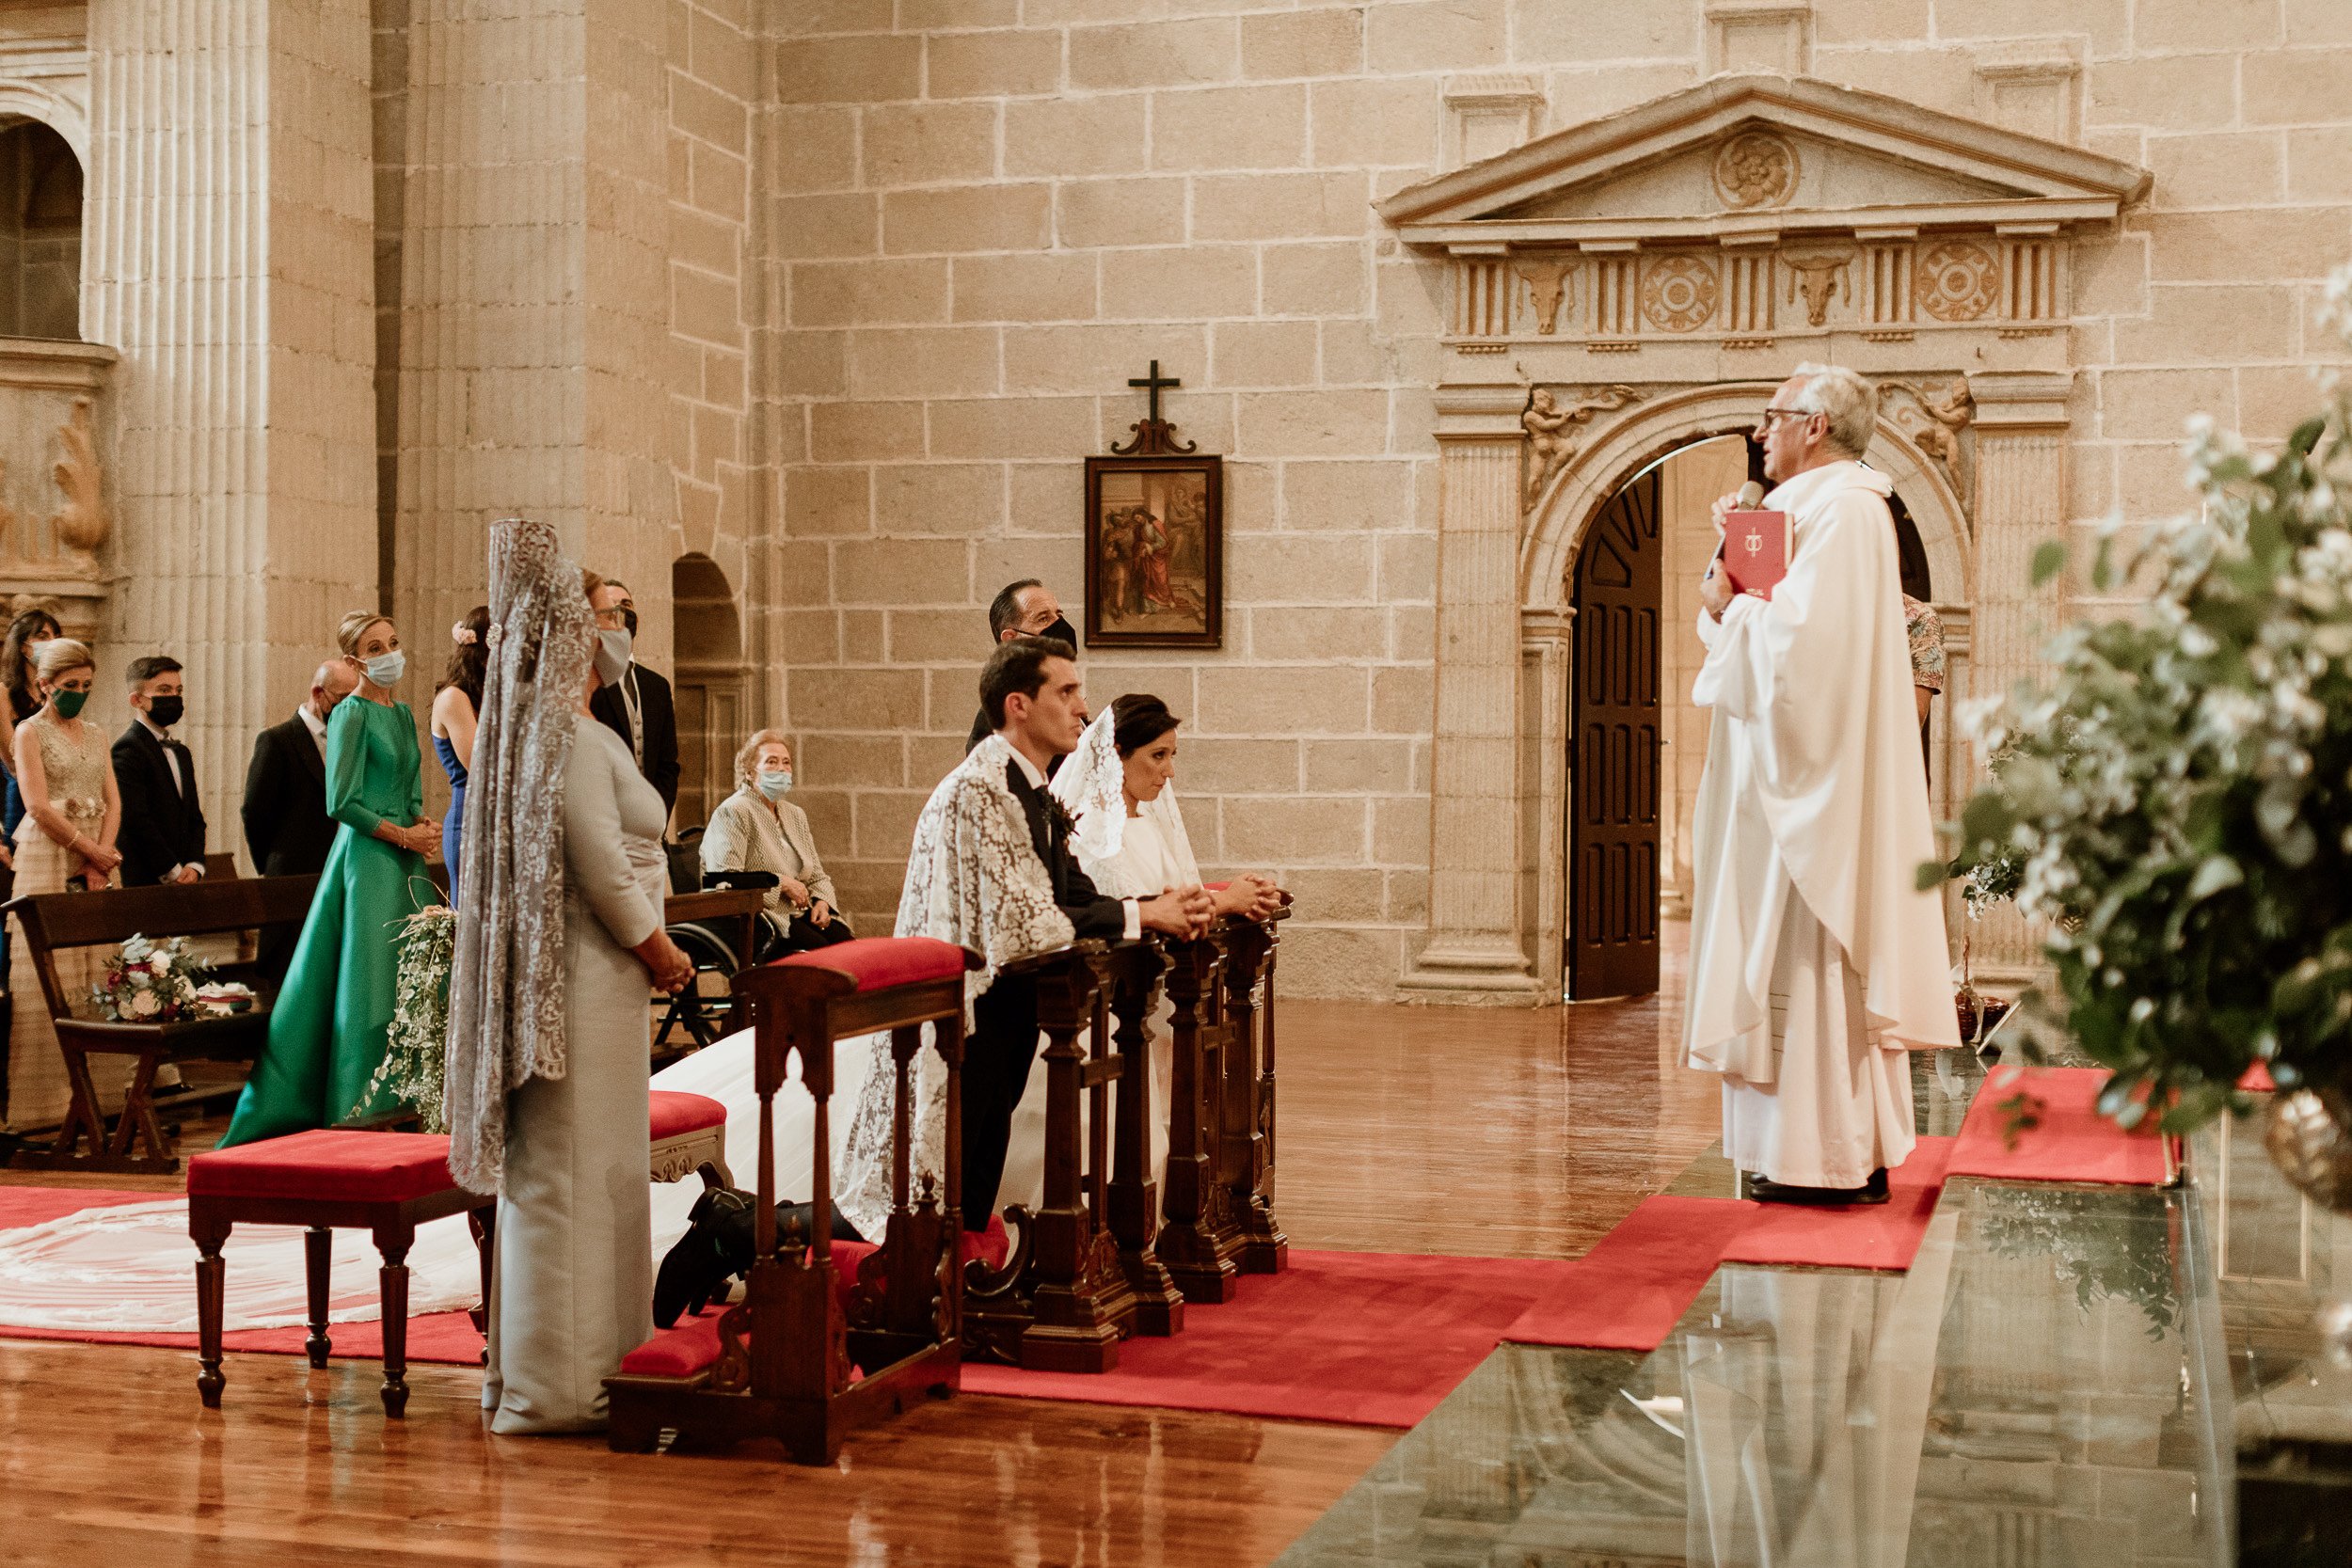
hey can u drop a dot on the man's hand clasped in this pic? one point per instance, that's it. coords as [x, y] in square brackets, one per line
[1184, 911]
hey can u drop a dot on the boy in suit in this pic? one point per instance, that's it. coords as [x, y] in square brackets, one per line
[163, 822]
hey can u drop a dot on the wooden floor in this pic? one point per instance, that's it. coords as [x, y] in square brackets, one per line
[1408, 1130]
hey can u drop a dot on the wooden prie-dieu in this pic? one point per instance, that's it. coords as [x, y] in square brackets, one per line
[784, 1362]
[1063, 1300]
[1114, 1252]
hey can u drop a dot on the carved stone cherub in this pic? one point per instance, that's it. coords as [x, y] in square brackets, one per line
[1550, 431]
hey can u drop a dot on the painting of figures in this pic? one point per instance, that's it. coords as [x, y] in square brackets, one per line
[1155, 552]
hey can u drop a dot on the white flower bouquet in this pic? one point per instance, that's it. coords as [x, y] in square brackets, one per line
[416, 1049]
[151, 982]
[2176, 801]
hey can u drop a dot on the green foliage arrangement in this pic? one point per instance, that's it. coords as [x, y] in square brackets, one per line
[2176, 804]
[416, 1053]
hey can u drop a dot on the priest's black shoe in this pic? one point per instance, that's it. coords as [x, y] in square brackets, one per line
[1764, 1190]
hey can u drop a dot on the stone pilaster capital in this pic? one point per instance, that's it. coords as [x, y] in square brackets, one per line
[1481, 412]
[2021, 400]
[1543, 623]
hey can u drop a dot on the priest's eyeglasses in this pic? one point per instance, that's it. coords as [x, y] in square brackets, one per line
[1765, 421]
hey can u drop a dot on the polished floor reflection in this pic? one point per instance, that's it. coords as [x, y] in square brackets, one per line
[2019, 1398]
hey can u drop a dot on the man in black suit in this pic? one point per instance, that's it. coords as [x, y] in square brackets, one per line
[286, 824]
[1023, 608]
[163, 823]
[634, 702]
[1031, 691]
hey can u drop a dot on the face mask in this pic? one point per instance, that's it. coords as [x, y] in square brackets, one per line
[386, 669]
[166, 711]
[1063, 629]
[612, 654]
[67, 703]
[774, 784]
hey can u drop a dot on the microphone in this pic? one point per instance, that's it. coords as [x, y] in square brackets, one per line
[1751, 496]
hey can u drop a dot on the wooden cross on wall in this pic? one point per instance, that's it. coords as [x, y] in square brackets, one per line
[1154, 436]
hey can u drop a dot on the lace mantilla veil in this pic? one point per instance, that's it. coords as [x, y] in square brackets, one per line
[1091, 788]
[506, 993]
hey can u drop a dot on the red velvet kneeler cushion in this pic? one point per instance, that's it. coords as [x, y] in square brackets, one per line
[877, 964]
[330, 1162]
[676, 1114]
[693, 1344]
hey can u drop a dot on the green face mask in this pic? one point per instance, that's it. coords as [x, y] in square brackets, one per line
[67, 703]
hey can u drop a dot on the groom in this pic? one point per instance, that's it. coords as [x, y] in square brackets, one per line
[1033, 699]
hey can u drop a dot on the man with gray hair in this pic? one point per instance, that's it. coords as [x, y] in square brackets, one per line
[1816, 960]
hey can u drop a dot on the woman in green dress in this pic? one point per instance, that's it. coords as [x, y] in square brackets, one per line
[329, 1023]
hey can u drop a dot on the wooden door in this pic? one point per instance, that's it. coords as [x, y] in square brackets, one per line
[1613, 768]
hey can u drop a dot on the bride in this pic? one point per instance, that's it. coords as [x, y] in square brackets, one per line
[126, 1268]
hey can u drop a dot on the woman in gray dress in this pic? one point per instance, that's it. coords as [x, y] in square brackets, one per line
[548, 1005]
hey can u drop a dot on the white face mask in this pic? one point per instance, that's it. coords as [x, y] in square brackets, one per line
[776, 782]
[613, 655]
[385, 670]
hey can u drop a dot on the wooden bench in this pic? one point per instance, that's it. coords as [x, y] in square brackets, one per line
[784, 1361]
[53, 922]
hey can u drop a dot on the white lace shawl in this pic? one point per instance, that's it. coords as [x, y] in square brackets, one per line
[507, 993]
[1092, 786]
[974, 879]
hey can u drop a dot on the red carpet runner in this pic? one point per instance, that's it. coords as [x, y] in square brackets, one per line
[2072, 1142]
[1631, 1289]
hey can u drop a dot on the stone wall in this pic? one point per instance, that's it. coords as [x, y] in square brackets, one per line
[989, 214]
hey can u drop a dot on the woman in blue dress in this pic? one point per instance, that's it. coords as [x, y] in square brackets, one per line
[456, 708]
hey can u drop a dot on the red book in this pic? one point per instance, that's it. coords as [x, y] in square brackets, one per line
[1756, 550]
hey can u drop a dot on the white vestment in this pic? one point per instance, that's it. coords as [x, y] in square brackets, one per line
[1815, 958]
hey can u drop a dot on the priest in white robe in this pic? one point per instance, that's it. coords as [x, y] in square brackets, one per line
[1816, 961]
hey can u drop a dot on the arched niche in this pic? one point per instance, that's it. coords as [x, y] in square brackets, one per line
[710, 684]
[40, 232]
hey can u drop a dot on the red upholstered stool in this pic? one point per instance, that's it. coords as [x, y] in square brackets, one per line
[784, 1361]
[690, 1131]
[335, 1179]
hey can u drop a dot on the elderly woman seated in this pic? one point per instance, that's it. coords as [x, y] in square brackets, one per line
[757, 830]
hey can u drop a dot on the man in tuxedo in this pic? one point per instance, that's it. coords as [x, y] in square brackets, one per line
[163, 823]
[634, 702]
[286, 824]
[1031, 692]
[1023, 608]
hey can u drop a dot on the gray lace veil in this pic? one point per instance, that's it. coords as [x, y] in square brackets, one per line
[506, 999]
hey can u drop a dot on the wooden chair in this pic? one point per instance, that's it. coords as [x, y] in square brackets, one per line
[325, 1180]
[53, 922]
[1063, 1301]
[689, 1131]
[1246, 1142]
[780, 1363]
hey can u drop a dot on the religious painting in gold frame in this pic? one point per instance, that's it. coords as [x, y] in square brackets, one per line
[1155, 552]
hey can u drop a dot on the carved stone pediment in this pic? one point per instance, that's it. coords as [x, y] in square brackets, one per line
[1749, 210]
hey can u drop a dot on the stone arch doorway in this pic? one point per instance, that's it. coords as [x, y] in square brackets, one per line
[1664, 441]
[709, 685]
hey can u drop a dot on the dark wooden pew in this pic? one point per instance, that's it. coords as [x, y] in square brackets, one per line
[54, 922]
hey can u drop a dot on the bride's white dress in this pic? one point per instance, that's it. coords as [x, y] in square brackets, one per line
[130, 1269]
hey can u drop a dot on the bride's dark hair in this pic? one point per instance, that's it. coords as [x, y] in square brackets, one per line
[1138, 720]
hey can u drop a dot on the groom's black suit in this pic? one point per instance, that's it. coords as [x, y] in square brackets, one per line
[1004, 1033]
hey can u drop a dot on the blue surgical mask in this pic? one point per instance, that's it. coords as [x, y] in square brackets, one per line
[775, 783]
[385, 670]
[613, 649]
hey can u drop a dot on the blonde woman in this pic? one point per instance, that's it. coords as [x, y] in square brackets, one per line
[67, 840]
[329, 1026]
[756, 829]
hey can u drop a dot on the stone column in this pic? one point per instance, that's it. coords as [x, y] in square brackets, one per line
[1475, 952]
[535, 299]
[1545, 633]
[2020, 501]
[227, 258]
